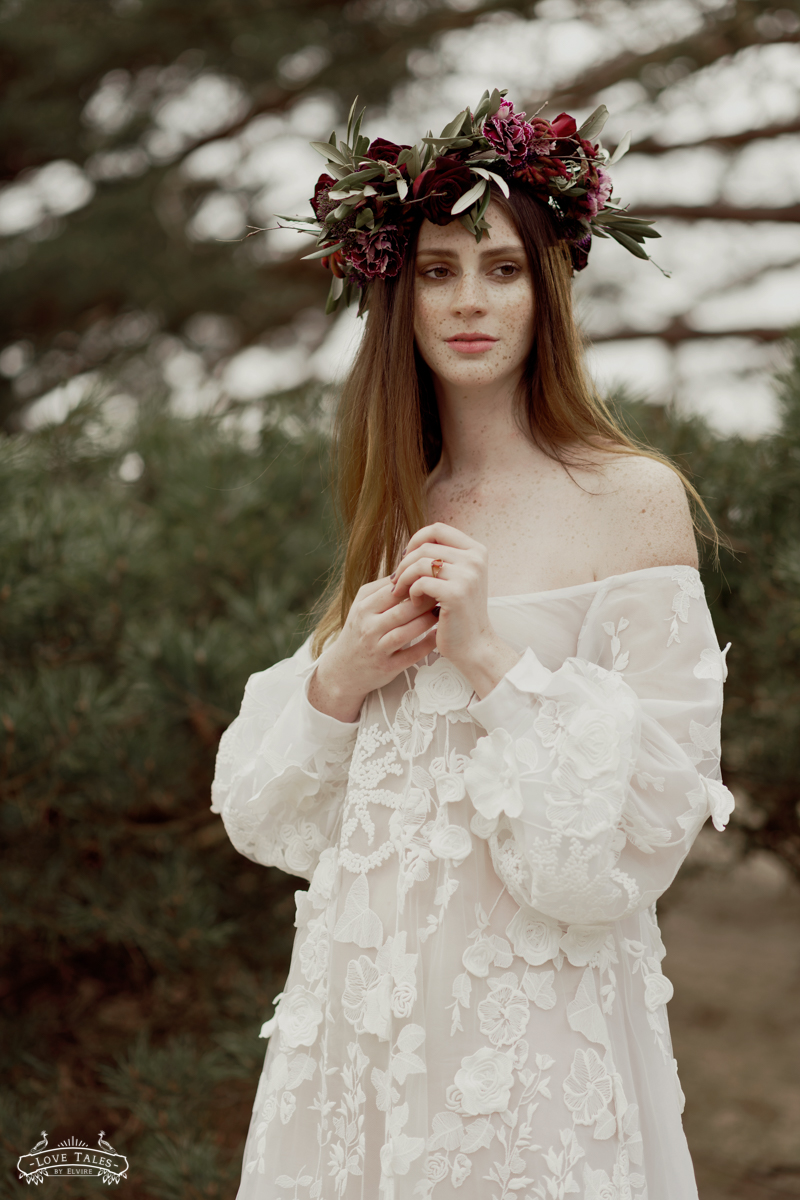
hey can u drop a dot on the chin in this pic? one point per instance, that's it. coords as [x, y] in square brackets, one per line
[474, 374]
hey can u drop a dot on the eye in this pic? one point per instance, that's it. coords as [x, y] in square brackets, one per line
[437, 271]
[507, 270]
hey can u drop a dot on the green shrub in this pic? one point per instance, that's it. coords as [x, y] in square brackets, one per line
[140, 953]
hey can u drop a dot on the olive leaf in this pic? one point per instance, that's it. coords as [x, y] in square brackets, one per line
[593, 123]
[468, 199]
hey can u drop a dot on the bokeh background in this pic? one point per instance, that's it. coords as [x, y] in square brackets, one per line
[166, 384]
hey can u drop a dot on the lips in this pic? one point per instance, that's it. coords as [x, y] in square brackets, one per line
[471, 343]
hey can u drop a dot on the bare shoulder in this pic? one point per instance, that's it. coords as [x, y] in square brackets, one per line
[644, 516]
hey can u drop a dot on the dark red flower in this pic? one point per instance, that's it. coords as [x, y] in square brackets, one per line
[319, 201]
[385, 151]
[539, 172]
[543, 137]
[564, 126]
[375, 255]
[508, 133]
[440, 186]
[579, 252]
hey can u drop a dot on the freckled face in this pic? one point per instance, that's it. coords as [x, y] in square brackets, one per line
[473, 302]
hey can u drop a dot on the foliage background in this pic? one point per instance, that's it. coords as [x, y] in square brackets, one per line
[164, 527]
[140, 953]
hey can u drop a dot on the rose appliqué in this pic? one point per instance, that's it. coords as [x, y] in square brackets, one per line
[483, 1083]
[298, 1018]
[534, 936]
[451, 842]
[441, 689]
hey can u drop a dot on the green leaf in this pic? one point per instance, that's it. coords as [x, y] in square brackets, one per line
[468, 199]
[482, 207]
[622, 149]
[593, 124]
[334, 295]
[329, 151]
[483, 107]
[350, 117]
[323, 253]
[496, 100]
[490, 175]
[627, 242]
[356, 178]
[454, 128]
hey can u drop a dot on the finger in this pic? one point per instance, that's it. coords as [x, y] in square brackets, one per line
[444, 535]
[379, 598]
[398, 638]
[401, 613]
[437, 590]
[406, 658]
[427, 550]
[420, 568]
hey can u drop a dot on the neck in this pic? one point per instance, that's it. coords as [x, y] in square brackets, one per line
[480, 432]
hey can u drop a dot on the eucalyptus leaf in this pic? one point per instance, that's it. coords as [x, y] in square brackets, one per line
[593, 124]
[468, 199]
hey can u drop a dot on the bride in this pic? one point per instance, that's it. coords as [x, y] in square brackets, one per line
[496, 749]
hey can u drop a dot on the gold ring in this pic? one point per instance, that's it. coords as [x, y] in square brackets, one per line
[436, 567]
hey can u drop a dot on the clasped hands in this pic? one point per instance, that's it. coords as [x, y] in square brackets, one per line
[447, 612]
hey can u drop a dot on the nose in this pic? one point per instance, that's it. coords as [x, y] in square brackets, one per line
[469, 294]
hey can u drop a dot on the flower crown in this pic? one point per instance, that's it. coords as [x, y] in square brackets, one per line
[365, 204]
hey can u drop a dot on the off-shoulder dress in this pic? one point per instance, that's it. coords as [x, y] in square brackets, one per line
[475, 1008]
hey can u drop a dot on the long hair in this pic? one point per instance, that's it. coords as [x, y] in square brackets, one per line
[387, 437]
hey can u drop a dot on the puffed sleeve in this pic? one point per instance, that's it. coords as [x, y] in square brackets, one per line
[594, 780]
[282, 770]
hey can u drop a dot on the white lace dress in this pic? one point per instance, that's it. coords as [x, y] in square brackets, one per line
[475, 1008]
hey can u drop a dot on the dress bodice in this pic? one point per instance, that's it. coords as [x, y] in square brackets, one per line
[475, 1006]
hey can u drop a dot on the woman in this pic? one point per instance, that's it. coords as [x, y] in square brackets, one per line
[497, 748]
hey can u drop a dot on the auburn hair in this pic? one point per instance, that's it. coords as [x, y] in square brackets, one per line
[387, 437]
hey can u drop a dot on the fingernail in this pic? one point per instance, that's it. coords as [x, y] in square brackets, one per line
[393, 576]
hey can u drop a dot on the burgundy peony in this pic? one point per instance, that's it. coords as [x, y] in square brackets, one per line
[319, 201]
[386, 151]
[440, 186]
[375, 255]
[508, 133]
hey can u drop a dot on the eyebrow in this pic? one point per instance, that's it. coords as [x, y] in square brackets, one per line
[498, 252]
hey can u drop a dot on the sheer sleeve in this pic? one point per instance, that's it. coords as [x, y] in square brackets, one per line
[282, 769]
[594, 780]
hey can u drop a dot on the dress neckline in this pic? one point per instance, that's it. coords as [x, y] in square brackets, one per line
[576, 588]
